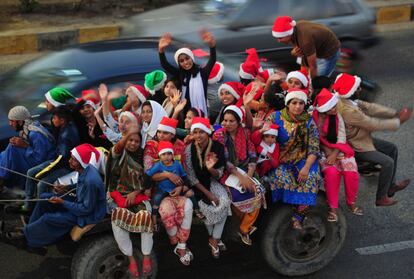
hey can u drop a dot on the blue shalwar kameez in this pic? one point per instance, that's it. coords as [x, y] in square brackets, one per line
[49, 222]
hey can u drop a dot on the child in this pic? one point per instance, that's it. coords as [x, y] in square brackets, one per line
[267, 148]
[165, 186]
[172, 92]
[337, 156]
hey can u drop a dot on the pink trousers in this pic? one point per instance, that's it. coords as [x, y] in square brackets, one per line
[332, 180]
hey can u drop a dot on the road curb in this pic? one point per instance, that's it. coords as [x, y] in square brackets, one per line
[34, 42]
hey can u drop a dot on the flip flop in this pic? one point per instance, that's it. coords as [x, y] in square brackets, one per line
[245, 238]
[186, 259]
[355, 210]
[332, 217]
[215, 251]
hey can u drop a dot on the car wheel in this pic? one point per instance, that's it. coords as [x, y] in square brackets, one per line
[101, 258]
[300, 252]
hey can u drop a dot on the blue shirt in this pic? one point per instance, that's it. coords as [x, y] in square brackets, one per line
[166, 185]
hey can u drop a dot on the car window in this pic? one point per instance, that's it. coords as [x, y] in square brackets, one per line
[256, 13]
[318, 9]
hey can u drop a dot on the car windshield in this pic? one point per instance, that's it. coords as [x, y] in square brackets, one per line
[222, 10]
[55, 69]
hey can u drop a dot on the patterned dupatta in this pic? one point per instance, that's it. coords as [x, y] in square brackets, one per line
[297, 144]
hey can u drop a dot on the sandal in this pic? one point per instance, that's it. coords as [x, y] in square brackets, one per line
[186, 258]
[252, 230]
[146, 266]
[215, 251]
[133, 270]
[332, 217]
[355, 210]
[221, 245]
[245, 238]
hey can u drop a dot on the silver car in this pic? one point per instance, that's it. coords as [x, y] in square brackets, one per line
[241, 24]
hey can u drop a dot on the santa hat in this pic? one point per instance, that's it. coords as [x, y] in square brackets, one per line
[300, 75]
[185, 51]
[296, 93]
[265, 74]
[216, 73]
[233, 87]
[273, 130]
[86, 154]
[283, 26]
[346, 85]
[58, 96]
[91, 98]
[251, 66]
[164, 147]
[140, 91]
[168, 125]
[237, 110]
[325, 100]
[155, 80]
[201, 123]
[130, 115]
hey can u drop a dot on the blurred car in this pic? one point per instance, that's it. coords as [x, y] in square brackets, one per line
[116, 63]
[242, 24]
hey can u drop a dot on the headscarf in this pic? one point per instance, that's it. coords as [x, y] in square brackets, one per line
[150, 129]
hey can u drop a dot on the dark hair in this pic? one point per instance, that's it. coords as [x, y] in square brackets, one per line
[62, 112]
[197, 112]
[147, 103]
[176, 81]
[275, 97]
[234, 114]
[245, 81]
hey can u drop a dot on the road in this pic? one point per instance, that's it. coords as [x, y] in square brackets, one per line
[391, 64]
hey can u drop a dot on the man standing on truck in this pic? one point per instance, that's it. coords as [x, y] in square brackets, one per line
[315, 44]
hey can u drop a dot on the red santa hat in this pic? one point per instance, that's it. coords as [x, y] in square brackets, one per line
[91, 98]
[86, 154]
[201, 123]
[296, 93]
[265, 74]
[238, 110]
[168, 125]
[140, 91]
[183, 50]
[273, 130]
[283, 26]
[164, 147]
[251, 66]
[325, 100]
[301, 75]
[216, 73]
[346, 85]
[235, 88]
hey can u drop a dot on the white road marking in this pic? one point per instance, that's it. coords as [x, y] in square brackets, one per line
[385, 248]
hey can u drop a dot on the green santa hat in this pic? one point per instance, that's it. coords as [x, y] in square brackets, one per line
[58, 96]
[155, 80]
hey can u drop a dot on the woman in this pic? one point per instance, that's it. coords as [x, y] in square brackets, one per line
[151, 115]
[229, 93]
[296, 179]
[194, 79]
[205, 166]
[176, 211]
[240, 156]
[132, 213]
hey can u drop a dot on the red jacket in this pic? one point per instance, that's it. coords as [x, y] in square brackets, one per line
[268, 156]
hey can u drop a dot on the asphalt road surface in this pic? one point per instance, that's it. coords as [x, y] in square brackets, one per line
[379, 245]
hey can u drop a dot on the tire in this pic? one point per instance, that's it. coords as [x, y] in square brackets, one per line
[296, 253]
[99, 257]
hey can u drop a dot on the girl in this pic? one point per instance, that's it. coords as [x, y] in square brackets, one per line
[151, 115]
[337, 156]
[229, 93]
[194, 79]
[172, 92]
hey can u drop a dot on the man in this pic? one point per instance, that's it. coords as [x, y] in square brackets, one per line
[53, 219]
[361, 119]
[315, 44]
[33, 146]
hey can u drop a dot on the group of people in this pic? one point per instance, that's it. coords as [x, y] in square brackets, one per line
[162, 152]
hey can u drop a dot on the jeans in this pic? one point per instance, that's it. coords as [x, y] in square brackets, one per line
[327, 66]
